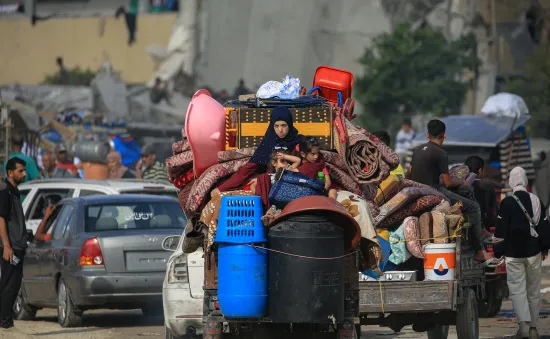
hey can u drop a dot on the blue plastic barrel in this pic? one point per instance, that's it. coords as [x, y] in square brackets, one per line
[242, 280]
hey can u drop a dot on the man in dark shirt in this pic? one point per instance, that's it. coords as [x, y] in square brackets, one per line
[13, 234]
[429, 163]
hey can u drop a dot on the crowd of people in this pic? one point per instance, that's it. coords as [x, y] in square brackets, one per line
[60, 165]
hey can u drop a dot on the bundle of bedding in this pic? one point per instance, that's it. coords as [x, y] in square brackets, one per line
[367, 159]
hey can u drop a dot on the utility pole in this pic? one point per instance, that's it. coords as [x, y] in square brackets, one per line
[449, 14]
[470, 15]
[494, 34]
[5, 131]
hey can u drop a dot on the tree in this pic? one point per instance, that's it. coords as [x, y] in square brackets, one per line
[414, 71]
[534, 88]
[77, 77]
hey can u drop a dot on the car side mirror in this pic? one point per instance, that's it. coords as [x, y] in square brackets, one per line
[30, 236]
[171, 243]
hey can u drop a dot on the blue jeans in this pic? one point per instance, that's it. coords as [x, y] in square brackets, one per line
[473, 211]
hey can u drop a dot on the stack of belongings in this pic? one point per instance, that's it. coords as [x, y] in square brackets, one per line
[358, 167]
[411, 215]
[358, 151]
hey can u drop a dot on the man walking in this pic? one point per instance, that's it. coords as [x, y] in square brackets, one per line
[13, 235]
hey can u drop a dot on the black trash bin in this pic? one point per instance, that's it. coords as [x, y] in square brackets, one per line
[304, 289]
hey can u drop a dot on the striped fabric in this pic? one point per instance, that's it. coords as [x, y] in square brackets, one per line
[515, 151]
[155, 172]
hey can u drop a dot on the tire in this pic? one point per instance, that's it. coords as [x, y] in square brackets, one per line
[439, 332]
[467, 320]
[153, 311]
[67, 313]
[490, 307]
[22, 311]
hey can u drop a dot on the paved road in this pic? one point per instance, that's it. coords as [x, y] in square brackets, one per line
[131, 324]
[104, 324]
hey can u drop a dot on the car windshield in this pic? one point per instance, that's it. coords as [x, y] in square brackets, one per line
[141, 215]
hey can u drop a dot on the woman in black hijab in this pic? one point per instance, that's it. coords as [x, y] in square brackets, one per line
[280, 133]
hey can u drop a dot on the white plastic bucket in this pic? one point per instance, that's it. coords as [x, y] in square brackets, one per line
[440, 261]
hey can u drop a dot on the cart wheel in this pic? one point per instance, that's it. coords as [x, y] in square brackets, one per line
[467, 321]
[490, 307]
[439, 332]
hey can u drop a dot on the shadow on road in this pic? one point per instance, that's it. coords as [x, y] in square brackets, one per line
[66, 331]
[109, 319]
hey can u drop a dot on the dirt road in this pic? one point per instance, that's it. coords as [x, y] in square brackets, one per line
[131, 324]
[103, 324]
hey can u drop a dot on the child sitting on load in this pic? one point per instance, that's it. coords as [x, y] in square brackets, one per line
[313, 163]
[280, 159]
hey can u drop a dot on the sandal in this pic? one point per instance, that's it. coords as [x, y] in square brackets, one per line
[493, 263]
[492, 240]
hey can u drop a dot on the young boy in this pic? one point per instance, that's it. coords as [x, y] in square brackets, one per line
[484, 192]
[429, 163]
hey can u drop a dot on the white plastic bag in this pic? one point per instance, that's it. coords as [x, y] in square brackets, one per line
[288, 89]
[505, 105]
[291, 88]
[269, 89]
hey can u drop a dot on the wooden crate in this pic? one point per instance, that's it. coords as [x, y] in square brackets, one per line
[248, 125]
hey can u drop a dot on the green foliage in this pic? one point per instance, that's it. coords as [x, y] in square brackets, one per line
[412, 72]
[534, 88]
[77, 77]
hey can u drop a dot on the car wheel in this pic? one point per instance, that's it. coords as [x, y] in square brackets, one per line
[67, 314]
[21, 310]
[152, 311]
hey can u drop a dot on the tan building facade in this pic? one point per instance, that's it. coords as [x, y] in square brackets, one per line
[28, 53]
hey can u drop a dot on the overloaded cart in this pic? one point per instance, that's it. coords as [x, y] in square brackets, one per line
[299, 276]
[503, 143]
